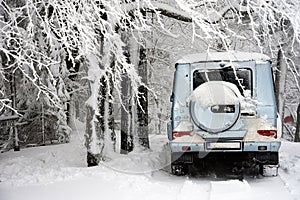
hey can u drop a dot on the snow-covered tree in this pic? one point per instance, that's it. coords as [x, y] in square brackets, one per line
[44, 41]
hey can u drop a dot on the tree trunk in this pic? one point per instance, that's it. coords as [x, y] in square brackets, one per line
[111, 119]
[106, 119]
[13, 102]
[280, 78]
[100, 128]
[126, 117]
[73, 68]
[93, 157]
[142, 108]
[126, 109]
[102, 95]
[297, 133]
[93, 134]
[95, 125]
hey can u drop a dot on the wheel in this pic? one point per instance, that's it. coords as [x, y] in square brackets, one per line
[215, 106]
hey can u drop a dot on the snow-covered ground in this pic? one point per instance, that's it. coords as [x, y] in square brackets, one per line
[59, 172]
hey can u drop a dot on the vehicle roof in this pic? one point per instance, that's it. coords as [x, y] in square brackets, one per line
[223, 56]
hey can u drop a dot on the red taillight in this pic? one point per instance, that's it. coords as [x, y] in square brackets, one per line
[176, 134]
[269, 133]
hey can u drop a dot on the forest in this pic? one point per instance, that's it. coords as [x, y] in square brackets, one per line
[110, 64]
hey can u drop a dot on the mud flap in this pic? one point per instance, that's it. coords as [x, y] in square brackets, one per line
[179, 170]
[270, 170]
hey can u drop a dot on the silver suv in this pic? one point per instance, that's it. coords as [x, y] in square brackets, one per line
[224, 111]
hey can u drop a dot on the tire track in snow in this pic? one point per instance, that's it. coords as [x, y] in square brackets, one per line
[287, 185]
[248, 189]
[192, 190]
[230, 189]
[214, 190]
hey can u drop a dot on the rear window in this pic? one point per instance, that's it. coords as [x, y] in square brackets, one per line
[242, 79]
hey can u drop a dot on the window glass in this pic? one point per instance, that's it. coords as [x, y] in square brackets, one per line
[241, 77]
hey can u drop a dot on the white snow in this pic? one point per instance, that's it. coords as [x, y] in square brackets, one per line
[290, 167]
[10, 117]
[232, 189]
[194, 138]
[184, 126]
[223, 56]
[216, 93]
[254, 124]
[59, 172]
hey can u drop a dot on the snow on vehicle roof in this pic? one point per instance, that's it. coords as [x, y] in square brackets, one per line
[223, 56]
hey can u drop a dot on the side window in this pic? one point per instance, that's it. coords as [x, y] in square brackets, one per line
[242, 78]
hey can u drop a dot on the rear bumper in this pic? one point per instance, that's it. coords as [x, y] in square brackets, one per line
[246, 159]
[180, 147]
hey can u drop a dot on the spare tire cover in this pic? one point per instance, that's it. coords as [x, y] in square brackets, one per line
[215, 106]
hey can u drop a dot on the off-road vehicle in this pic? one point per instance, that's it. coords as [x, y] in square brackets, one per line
[224, 111]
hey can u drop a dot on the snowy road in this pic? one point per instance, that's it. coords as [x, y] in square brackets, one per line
[96, 183]
[58, 172]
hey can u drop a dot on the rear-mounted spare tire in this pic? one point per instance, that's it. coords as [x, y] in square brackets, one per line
[215, 106]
